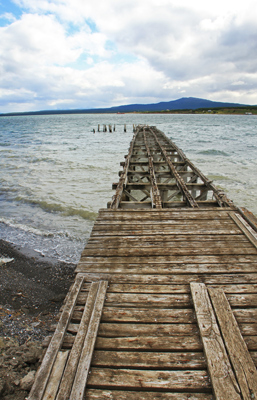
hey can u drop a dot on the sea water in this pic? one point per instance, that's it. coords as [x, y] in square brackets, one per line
[55, 173]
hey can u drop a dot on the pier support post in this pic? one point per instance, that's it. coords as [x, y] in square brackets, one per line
[110, 128]
[98, 127]
[125, 128]
[114, 128]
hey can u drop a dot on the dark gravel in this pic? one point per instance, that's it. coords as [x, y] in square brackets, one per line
[32, 290]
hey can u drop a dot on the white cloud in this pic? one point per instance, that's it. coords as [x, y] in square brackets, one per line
[72, 53]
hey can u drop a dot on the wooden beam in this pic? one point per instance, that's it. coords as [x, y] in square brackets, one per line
[79, 384]
[222, 376]
[240, 358]
[44, 372]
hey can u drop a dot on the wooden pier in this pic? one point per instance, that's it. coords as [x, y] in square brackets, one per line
[164, 304]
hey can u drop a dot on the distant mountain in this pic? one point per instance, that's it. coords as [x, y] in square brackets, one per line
[185, 103]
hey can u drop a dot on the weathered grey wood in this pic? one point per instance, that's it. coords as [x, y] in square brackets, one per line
[161, 343]
[240, 358]
[178, 213]
[71, 367]
[146, 315]
[117, 197]
[246, 229]
[247, 315]
[138, 379]
[44, 372]
[209, 278]
[166, 251]
[222, 376]
[150, 360]
[180, 182]
[124, 330]
[56, 375]
[170, 266]
[81, 377]
[156, 197]
[96, 394]
[145, 300]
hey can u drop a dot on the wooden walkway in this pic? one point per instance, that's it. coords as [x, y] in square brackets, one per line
[164, 304]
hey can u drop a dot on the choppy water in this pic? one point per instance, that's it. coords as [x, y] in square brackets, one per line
[55, 173]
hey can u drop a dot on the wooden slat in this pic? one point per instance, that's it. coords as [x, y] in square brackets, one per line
[146, 300]
[148, 360]
[44, 372]
[166, 268]
[96, 394]
[208, 277]
[240, 358]
[56, 375]
[167, 251]
[144, 379]
[71, 367]
[148, 315]
[81, 377]
[124, 330]
[223, 380]
[246, 229]
[173, 288]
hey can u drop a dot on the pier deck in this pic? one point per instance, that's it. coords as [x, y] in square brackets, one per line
[164, 304]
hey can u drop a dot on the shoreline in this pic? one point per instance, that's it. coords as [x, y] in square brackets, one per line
[32, 290]
[31, 285]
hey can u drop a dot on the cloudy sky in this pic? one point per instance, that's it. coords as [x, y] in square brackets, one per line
[60, 54]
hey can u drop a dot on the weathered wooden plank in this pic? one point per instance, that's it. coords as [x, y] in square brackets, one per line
[223, 380]
[251, 342]
[162, 343]
[205, 259]
[182, 211]
[240, 358]
[144, 300]
[71, 367]
[138, 379]
[231, 230]
[164, 300]
[96, 394]
[56, 375]
[125, 251]
[157, 289]
[155, 193]
[245, 315]
[163, 215]
[165, 225]
[168, 240]
[146, 315]
[248, 329]
[211, 278]
[153, 360]
[245, 228]
[173, 288]
[165, 268]
[242, 300]
[237, 288]
[81, 377]
[44, 372]
[129, 329]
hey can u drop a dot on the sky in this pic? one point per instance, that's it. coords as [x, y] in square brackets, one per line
[69, 54]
